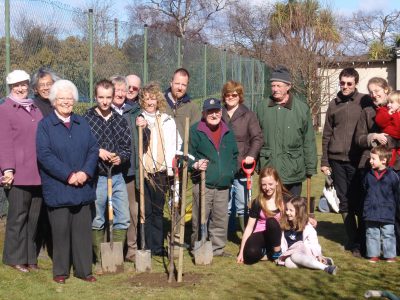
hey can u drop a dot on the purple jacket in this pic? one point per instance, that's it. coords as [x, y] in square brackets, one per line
[18, 142]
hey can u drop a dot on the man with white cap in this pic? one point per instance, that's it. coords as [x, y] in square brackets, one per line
[19, 118]
[289, 139]
[213, 145]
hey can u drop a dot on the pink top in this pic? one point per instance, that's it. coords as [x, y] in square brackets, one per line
[261, 222]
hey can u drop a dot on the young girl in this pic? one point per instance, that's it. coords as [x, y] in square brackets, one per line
[299, 242]
[262, 235]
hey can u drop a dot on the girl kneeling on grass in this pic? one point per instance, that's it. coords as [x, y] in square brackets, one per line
[299, 242]
[262, 235]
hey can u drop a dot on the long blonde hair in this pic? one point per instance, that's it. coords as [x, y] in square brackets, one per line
[301, 218]
[279, 192]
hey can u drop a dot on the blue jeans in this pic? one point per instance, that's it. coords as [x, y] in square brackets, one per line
[120, 203]
[377, 231]
[238, 197]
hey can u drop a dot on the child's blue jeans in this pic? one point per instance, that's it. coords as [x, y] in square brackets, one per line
[377, 231]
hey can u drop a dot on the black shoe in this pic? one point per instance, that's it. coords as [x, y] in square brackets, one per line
[161, 252]
[223, 254]
[356, 253]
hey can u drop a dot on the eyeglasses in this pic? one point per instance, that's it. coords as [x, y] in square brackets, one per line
[343, 83]
[45, 85]
[233, 95]
[65, 99]
[375, 92]
[134, 88]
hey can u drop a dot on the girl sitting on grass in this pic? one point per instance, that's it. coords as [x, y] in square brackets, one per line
[299, 241]
[262, 235]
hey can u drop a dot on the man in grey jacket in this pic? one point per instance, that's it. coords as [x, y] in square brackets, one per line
[340, 154]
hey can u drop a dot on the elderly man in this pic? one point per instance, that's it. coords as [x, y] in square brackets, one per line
[214, 146]
[130, 111]
[134, 84]
[180, 105]
[114, 139]
[340, 154]
[289, 139]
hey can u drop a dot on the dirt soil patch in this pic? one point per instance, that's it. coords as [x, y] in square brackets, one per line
[160, 280]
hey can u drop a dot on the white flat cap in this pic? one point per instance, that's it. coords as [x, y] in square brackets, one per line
[17, 76]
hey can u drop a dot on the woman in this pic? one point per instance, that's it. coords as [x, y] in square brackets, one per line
[368, 135]
[249, 140]
[159, 152]
[67, 154]
[262, 235]
[19, 118]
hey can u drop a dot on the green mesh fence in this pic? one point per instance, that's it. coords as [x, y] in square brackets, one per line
[54, 34]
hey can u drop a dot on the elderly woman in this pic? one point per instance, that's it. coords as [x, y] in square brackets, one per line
[249, 140]
[42, 81]
[19, 118]
[157, 160]
[67, 154]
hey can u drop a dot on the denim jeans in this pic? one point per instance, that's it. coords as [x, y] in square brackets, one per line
[120, 203]
[377, 231]
[237, 197]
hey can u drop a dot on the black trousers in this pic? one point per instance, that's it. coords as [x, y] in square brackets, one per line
[260, 243]
[154, 194]
[294, 188]
[23, 213]
[71, 228]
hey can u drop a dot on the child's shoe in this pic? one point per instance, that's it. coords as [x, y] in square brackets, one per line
[331, 270]
[391, 260]
[276, 255]
[373, 260]
[329, 261]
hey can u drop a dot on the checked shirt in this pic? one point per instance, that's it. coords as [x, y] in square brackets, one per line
[112, 135]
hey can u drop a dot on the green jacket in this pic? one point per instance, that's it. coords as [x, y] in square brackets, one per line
[222, 163]
[289, 139]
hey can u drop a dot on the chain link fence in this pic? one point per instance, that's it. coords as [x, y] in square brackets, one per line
[53, 34]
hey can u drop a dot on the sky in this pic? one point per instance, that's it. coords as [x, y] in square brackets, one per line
[345, 7]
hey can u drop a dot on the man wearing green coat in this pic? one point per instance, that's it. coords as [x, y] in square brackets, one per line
[289, 139]
[213, 145]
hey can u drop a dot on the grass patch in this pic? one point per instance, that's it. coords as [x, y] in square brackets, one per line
[224, 279]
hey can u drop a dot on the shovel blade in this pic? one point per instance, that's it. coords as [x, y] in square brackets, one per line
[143, 261]
[112, 260]
[203, 252]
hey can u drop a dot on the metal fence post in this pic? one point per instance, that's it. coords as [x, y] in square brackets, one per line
[91, 55]
[240, 69]
[205, 70]
[262, 81]
[7, 29]
[145, 66]
[252, 84]
[179, 65]
[224, 70]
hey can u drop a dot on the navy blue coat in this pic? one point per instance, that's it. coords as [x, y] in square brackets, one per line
[381, 197]
[62, 151]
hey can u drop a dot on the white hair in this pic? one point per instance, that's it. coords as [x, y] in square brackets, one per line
[63, 85]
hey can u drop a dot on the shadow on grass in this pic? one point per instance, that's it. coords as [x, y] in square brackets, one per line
[331, 231]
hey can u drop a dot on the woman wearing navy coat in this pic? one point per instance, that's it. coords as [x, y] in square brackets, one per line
[67, 153]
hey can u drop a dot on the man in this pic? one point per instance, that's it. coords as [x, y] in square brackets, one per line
[180, 105]
[289, 139]
[113, 136]
[341, 156]
[134, 84]
[42, 81]
[213, 145]
[129, 112]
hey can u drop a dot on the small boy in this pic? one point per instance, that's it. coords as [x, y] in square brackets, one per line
[381, 185]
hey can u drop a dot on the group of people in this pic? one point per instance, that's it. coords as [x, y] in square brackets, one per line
[50, 153]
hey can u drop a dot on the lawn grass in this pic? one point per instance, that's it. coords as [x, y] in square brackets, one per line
[224, 279]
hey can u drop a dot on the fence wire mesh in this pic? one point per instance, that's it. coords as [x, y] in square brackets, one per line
[46, 33]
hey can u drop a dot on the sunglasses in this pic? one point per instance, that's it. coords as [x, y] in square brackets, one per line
[234, 95]
[343, 83]
[134, 88]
